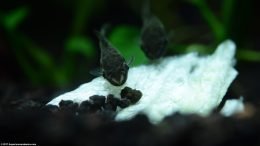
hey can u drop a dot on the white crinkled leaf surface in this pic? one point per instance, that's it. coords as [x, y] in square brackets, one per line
[187, 83]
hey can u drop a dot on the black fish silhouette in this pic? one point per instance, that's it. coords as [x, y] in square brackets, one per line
[154, 39]
[113, 66]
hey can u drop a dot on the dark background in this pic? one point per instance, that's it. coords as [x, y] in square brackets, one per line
[36, 54]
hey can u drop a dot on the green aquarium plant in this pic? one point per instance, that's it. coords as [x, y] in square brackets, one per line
[41, 67]
[223, 25]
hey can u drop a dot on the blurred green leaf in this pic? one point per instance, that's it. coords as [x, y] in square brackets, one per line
[227, 10]
[200, 48]
[84, 10]
[248, 55]
[214, 23]
[126, 40]
[28, 70]
[80, 45]
[38, 64]
[14, 18]
[40, 56]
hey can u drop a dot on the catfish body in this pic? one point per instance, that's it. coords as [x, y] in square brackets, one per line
[154, 38]
[113, 66]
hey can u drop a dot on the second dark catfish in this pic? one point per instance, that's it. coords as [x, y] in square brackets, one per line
[154, 39]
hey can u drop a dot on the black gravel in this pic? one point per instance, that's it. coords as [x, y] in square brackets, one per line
[123, 103]
[93, 123]
[131, 94]
[68, 106]
[98, 100]
[111, 103]
[51, 126]
[88, 107]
